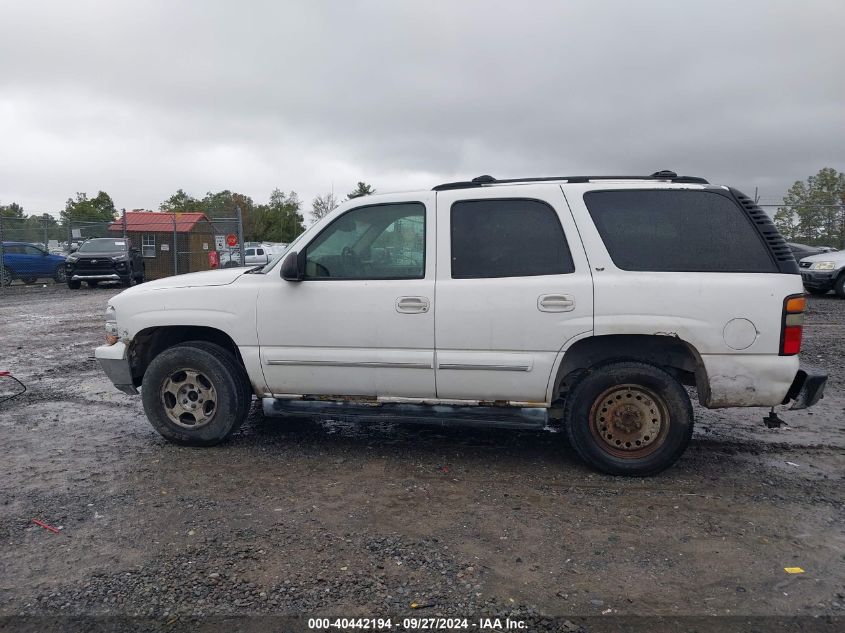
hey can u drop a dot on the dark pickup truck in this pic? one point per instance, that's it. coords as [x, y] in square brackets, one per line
[104, 259]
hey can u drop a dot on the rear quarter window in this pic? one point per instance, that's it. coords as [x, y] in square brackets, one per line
[677, 231]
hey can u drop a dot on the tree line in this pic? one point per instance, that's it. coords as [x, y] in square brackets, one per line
[280, 219]
[813, 211]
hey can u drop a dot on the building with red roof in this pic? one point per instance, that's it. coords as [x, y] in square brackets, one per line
[171, 243]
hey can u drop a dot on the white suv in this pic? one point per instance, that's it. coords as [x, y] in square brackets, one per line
[493, 302]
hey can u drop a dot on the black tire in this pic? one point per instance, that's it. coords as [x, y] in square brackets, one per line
[92, 284]
[128, 281]
[60, 274]
[238, 372]
[29, 280]
[7, 277]
[217, 375]
[839, 286]
[74, 285]
[648, 410]
[816, 291]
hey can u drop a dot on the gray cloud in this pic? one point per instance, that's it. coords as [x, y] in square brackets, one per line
[141, 98]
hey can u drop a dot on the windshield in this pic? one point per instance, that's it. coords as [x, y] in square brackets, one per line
[102, 245]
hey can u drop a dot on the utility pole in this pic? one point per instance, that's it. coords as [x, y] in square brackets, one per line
[2, 270]
[241, 235]
[175, 237]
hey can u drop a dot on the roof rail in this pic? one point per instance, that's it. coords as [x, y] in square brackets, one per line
[480, 181]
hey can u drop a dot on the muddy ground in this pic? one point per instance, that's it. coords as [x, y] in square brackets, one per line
[298, 517]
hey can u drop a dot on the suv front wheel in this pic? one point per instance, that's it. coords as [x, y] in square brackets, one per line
[195, 394]
[628, 418]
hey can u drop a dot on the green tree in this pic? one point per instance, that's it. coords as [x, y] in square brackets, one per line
[280, 220]
[321, 206]
[181, 202]
[224, 204]
[100, 208]
[363, 189]
[813, 212]
[12, 210]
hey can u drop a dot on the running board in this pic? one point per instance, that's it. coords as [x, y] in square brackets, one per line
[444, 415]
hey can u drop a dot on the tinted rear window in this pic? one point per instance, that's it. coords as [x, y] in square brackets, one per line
[507, 238]
[680, 231]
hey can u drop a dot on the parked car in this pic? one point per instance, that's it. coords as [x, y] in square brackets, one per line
[230, 259]
[254, 255]
[587, 302]
[800, 251]
[824, 272]
[25, 261]
[104, 259]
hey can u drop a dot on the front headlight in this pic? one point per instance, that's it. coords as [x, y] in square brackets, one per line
[72, 259]
[822, 266]
[111, 325]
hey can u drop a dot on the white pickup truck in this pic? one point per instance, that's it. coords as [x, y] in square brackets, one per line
[591, 302]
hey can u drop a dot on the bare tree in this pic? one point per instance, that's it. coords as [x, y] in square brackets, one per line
[323, 205]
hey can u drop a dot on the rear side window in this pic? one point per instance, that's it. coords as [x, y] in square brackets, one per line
[677, 231]
[507, 238]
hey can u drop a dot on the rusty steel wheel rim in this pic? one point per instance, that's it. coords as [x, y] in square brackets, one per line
[629, 421]
[189, 398]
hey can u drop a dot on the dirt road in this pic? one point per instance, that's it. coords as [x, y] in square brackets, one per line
[333, 518]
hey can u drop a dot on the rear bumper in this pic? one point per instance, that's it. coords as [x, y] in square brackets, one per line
[807, 388]
[114, 360]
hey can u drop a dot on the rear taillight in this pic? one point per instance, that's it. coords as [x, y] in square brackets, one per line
[792, 325]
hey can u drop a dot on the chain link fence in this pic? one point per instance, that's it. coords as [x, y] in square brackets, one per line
[157, 244]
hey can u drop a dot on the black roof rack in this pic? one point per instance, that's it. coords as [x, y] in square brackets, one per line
[480, 181]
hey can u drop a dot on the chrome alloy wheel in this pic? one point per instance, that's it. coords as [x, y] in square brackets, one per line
[189, 398]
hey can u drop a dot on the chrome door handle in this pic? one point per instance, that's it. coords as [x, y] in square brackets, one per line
[412, 305]
[556, 303]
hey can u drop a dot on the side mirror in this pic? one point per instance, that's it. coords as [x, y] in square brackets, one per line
[291, 269]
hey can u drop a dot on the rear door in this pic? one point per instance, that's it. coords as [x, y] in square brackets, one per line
[513, 287]
[36, 262]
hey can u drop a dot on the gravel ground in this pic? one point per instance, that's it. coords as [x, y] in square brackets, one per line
[299, 517]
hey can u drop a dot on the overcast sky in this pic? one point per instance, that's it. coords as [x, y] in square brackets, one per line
[142, 98]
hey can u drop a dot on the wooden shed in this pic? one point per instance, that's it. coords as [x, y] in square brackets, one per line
[171, 243]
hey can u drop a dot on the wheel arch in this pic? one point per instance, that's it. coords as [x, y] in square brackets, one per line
[671, 353]
[151, 341]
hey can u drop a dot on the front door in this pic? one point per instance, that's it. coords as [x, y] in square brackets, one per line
[513, 288]
[362, 321]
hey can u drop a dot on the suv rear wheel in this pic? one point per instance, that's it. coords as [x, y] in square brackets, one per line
[628, 418]
[194, 394]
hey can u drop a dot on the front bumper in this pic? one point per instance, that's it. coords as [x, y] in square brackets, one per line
[103, 277]
[114, 359]
[807, 388]
[818, 279]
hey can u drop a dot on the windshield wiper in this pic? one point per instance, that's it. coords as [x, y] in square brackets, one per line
[255, 269]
